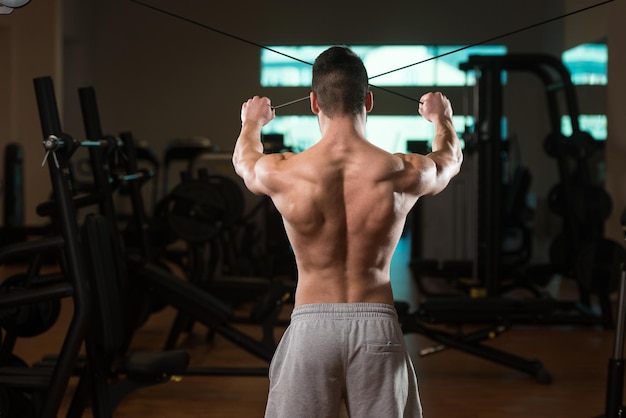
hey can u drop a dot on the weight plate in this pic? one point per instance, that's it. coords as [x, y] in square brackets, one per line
[27, 320]
[195, 210]
[233, 197]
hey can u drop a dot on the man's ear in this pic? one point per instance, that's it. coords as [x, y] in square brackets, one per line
[315, 108]
[369, 101]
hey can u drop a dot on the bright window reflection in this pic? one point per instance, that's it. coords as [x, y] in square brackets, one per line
[390, 133]
[595, 125]
[423, 69]
[587, 63]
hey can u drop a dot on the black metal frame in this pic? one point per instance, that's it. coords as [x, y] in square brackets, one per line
[614, 405]
[49, 385]
[488, 266]
[489, 89]
[182, 295]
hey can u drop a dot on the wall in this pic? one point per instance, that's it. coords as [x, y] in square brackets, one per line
[30, 44]
[616, 144]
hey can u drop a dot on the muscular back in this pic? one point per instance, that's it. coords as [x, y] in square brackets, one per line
[343, 215]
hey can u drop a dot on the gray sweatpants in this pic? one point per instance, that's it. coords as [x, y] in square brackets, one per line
[353, 352]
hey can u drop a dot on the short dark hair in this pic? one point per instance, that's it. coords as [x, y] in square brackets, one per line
[340, 81]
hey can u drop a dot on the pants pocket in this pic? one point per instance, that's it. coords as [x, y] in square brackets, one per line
[382, 348]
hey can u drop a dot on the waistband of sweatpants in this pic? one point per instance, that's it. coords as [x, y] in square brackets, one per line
[344, 310]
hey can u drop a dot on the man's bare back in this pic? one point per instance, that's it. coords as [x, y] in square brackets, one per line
[343, 218]
[344, 203]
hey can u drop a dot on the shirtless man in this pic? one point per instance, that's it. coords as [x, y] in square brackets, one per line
[344, 203]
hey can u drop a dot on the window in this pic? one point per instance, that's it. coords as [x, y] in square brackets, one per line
[390, 133]
[594, 124]
[587, 64]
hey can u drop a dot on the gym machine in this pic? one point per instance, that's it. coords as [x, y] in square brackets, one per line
[105, 344]
[27, 391]
[13, 204]
[213, 213]
[489, 267]
[148, 273]
[614, 406]
[13, 228]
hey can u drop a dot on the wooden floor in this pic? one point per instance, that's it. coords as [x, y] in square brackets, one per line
[452, 383]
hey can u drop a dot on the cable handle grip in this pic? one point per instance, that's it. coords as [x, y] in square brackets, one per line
[46, 104]
[89, 108]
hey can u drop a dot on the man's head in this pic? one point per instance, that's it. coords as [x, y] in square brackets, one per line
[340, 82]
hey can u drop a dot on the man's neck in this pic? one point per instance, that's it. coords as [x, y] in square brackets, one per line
[342, 126]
